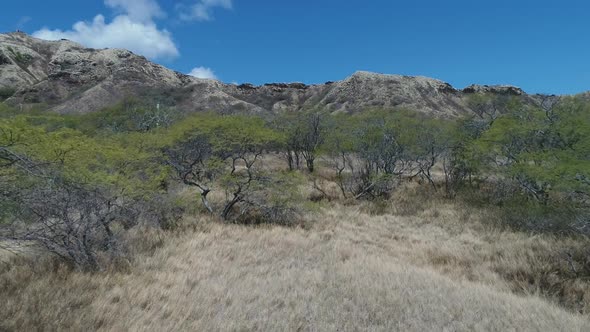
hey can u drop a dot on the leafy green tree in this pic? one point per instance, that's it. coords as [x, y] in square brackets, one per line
[542, 154]
[427, 141]
[340, 148]
[292, 143]
[194, 164]
[101, 161]
[304, 136]
[226, 149]
[66, 190]
[367, 153]
[313, 131]
[486, 109]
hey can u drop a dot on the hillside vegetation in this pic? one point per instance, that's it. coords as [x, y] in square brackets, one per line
[148, 218]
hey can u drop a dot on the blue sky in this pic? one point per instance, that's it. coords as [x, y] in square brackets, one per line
[541, 46]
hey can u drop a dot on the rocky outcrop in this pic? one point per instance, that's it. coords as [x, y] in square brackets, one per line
[365, 90]
[66, 77]
[495, 89]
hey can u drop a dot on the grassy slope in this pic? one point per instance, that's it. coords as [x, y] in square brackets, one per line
[419, 267]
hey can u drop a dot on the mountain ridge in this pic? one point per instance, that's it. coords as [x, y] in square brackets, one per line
[67, 77]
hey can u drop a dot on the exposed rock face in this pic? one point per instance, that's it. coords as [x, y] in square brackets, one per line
[69, 78]
[370, 90]
[495, 89]
[276, 97]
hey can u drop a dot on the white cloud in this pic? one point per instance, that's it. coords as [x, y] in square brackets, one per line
[137, 10]
[203, 10]
[203, 72]
[135, 30]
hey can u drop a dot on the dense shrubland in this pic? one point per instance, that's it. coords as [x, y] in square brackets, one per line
[507, 154]
[153, 197]
[75, 184]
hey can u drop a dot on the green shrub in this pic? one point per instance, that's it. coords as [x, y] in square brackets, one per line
[537, 218]
[6, 92]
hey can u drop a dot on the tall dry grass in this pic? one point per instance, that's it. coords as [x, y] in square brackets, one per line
[413, 263]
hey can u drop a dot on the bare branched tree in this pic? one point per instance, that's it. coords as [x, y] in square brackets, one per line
[240, 182]
[70, 221]
[197, 163]
[312, 138]
[304, 136]
[191, 163]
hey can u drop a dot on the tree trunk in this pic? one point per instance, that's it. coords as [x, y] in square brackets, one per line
[205, 201]
[310, 166]
[228, 207]
[340, 179]
[297, 160]
[290, 160]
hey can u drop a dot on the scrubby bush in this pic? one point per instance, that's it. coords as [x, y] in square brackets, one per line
[369, 153]
[76, 224]
[277, 200]
[223, 151]
[304, 135]
[6, 92]
[69, 192]
[130, 115]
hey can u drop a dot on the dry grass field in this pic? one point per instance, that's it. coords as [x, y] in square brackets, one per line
[434, 265]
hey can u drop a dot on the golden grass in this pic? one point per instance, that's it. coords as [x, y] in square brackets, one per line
[411, 267]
